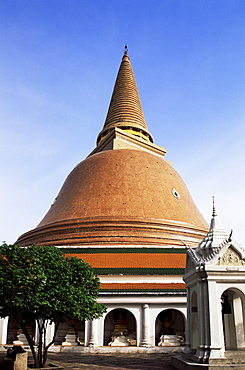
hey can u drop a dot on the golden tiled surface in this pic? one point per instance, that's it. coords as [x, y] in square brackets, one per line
[124, 183]
[120, 196]
[125, 107]
[123, 196]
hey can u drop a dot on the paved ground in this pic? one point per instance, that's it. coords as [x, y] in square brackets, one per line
[89, 361]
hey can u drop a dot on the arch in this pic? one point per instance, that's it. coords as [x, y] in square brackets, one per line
[14, 332]
[124, 317]
[194, 320]
[71, 327]
[170, 321]
[233, 314]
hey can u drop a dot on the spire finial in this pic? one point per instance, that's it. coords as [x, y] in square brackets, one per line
[125, 111]
[125, 50]
[214, 210]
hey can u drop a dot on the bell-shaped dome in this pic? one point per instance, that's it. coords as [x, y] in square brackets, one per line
[125, 192]
[123, 196]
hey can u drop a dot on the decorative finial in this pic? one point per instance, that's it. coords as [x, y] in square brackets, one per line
[125, 50]
[214, 210]
[230, 236]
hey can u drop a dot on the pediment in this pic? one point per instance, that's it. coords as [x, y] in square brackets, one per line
[228, 253]
[230, 258]
[218, 248]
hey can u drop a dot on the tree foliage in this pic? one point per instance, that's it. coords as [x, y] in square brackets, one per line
[39, 284]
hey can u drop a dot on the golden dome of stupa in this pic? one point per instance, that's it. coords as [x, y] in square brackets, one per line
[124, 192]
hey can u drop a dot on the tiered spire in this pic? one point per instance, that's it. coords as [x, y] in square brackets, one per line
[214, 209]
[217, 247]
[125, 109]
[215, 236]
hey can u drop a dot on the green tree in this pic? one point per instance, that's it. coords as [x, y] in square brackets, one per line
[37, 284]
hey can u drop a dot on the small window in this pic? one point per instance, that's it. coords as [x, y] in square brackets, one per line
[175, 193]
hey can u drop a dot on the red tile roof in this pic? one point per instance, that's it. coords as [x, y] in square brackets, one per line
[143, 286]
[134, 260]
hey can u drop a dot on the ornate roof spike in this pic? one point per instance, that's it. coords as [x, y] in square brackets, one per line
[214, 210]
[125, 111]
[230, 236]
[215, 236]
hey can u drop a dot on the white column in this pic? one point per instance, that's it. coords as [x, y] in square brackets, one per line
[238, 316]
[93, 341]
[201, 324]
[207, 322]
[3, 330]
[145, 326]
[50, 332]
[188, 330]
[86, 333]
[217, 348]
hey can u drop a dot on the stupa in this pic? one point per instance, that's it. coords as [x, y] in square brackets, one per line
[127, 212]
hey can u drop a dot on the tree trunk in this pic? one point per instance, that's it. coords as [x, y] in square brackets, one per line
[40, 343]
[28, 337]
[45, 352]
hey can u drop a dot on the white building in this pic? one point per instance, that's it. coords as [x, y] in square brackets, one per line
[215, 281]
[127, 212]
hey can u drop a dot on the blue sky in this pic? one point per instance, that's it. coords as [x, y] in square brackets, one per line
[59, 60]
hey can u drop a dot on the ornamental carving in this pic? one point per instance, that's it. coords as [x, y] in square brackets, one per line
[230, 258]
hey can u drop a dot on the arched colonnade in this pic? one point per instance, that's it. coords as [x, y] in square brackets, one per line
[142, 326]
